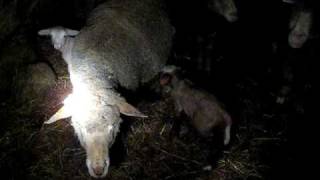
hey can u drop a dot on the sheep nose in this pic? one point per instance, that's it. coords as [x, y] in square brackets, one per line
[57, 46]
[98, 170]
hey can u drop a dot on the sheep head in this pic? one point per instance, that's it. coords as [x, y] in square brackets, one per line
[97, 136]
[58, 35]
[96, 121]
[300, 26]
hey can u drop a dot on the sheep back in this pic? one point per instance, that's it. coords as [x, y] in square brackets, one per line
[126, 41]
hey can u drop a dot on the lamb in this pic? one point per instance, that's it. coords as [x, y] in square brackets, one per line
[202, 108]
[62, 40]
[124, 43]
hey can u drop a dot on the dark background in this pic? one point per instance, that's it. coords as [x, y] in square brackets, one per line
[249, 59]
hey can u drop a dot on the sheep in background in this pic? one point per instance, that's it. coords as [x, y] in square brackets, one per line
[300, 23]
[300, 27]
[125, 43]
[202, 108]
[225, 8]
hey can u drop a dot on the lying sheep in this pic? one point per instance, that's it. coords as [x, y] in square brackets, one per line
[201, 107]
[124, 43]
[225, 8]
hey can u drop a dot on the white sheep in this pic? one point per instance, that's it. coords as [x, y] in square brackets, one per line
[125, 43]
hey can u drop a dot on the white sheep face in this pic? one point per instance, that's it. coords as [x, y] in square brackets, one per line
[58, 35]
[300, 26]
[98, 166]
[96, 121]
[58, 39]
[96, 134]
[96, 124]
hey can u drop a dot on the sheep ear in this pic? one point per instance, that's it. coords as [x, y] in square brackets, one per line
[44, 32]
[128, 110]
[62, 113]
[71, 32]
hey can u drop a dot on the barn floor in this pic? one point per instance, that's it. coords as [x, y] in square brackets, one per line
[246, 75]
[150, 148]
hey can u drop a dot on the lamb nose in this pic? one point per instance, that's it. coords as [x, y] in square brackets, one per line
[98, 171]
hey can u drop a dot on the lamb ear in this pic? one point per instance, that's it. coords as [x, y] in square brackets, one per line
[62, 113]
[128, 110]
[71, 32]
[44, 32]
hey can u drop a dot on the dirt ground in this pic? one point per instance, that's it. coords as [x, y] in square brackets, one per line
[246, 76]
[149, 148]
